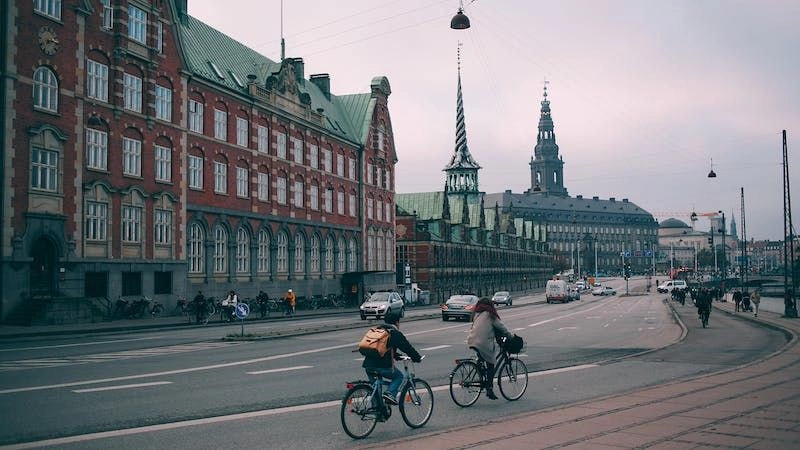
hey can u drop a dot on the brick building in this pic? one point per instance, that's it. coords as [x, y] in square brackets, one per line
[148, 154]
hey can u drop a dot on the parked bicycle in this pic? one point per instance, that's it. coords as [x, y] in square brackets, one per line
[468, 378]
[363, 405]
[156, 308]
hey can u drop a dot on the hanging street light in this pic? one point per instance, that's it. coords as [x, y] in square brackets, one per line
[460, 21]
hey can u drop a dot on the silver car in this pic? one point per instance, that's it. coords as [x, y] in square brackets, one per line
[459, 307]
[380, 303]
[503, 297]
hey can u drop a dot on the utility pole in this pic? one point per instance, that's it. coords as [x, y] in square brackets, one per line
[790, 291]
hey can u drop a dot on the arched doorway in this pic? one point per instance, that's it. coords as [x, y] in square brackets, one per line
[43, 267]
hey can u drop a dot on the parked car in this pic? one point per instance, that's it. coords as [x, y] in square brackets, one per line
[381, 302]
[667, 286]
[459, 307]
[582, 285]
[503, 297]
[604, 290]
[556, 291]
[574, 293]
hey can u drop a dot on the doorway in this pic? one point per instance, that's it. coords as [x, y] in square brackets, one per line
[43, 268]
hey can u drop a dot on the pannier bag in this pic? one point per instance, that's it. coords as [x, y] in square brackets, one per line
[514, 344]
[375, 342]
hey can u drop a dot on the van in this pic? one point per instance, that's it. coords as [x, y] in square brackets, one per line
[667, 286]
[556, 291]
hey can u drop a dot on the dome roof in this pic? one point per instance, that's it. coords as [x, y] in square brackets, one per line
[673, 223]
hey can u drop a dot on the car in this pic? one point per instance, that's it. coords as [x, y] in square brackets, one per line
[582, 285]
[459, 307]
[379, 303]
[604, 290]
[503, 297]
[557, 291]
[574, 293]
[667, 286]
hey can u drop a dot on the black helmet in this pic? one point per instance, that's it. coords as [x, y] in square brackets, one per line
[391, 317]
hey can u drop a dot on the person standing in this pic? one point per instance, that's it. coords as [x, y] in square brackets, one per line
[737, 300]
[229, 306]
[755, 297]
[199, 302]
[263, 303]
[291, 301]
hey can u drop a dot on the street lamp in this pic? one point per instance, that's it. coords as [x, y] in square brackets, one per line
[460, 21]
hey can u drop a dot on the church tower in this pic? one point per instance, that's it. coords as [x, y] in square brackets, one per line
[547, 167]
[462, 171]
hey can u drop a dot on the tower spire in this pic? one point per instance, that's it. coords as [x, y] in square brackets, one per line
[547, 167]
[462, 171]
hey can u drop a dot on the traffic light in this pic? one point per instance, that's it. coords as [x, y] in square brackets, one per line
[711, 242]
[627, 270]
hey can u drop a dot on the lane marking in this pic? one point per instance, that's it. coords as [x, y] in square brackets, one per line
[282, 369]
[567, 328]
[438, 347]
[121, 386]
[553, 319]
[43, 347]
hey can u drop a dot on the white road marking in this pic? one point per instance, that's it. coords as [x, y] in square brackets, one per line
[565, 316]
[121, 386]
[567, 328]
[438, 347]
[82, 344]
[518, 329]
[282, 369]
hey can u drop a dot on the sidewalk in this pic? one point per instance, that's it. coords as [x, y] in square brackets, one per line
[755, 406]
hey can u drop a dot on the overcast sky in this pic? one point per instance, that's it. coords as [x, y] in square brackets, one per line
[644, 94]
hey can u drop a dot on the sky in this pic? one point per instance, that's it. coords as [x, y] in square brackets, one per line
[647, 96]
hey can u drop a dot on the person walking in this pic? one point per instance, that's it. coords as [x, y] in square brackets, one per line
[737, 300]
[291, 302]
[486, 330]
[755, 298]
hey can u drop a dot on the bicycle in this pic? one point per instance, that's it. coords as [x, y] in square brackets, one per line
[363, 405]
[468, 378]
[704, 314]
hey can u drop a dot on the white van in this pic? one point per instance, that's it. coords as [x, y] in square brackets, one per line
[667, 286]
[556, 291]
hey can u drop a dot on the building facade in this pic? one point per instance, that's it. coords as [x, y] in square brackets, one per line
[148, 154]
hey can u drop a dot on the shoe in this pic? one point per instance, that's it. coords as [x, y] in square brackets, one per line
[389, 399]
[490, 394]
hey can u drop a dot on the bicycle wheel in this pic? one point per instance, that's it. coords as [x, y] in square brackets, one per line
[512, 379]
[417, 405]
[466, 383]
[357, 414]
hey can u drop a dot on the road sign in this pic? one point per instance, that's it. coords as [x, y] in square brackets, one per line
[648, 253]
[242, 310]
[628, 254]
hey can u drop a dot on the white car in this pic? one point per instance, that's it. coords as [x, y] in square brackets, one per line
[667, 286]
[604, 290]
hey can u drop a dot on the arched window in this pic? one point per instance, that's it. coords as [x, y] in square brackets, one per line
[389, 251]
[299, 254]
[263, 251]
[329, 255]
[282, 258]
[370, 250]
[242, 251]
[196, 248]
[315, 254]
[351, 256]
[341, 267]
[379, 257]
[45, 89]
[220, 249]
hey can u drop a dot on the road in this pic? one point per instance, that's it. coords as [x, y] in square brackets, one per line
[188, 388]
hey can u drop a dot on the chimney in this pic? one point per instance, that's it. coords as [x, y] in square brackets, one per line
[182, 11]
[595, 198]
[299, 69]
[624, 200]
[323, 82]
[579, 197]
[612, 199]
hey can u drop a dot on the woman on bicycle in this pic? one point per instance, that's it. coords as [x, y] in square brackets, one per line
[384, 364]
[487, 329]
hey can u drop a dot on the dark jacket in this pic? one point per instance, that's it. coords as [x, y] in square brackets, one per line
[397, 341]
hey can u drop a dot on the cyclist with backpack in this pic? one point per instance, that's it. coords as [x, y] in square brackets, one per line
[486, 331]
[379, 355]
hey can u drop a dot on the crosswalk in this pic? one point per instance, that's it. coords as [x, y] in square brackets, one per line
[38, 363]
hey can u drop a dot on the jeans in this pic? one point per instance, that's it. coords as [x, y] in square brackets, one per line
[395, 374]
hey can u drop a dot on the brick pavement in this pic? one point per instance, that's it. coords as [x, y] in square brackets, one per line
[755, 406]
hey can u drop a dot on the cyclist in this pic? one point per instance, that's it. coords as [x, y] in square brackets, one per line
[487, 329]
[384, 364]
[703, 302]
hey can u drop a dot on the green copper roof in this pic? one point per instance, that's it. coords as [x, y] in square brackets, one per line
[426, 205]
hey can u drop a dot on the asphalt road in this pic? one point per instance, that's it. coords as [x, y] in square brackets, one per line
[188, 388]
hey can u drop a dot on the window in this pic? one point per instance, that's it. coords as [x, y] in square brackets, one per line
[45, 89]
[242, 182]
[282, 145]
[297, 146]
[281, 186]
[340, 165]
[131, 157]
[263, 187]
[96, 149]
[379, 210]
[137, 24]
[195, 172]
[388, 212]
[380, 138]
[352, 204]
[242, 251]
[163, 103]
[314, 200]
[96, 80]
[196, 254]
[370, 168]
[379, 256]
[220, 249]
[298, 194]
[163, 165]
[313, 156]
[131, 283]
[44, 170]
[340, 260]
[263, 139]
[314, 254]
[340, 203]
[162, 283]
[50, 8]
[108, 14]
[241, 132]
[263, 252]
[326, 161]
[162, 226]
[370, 207]
[220, 124]
[159, 37]
[220, 177]
[132, 87]
[387, 180]
[370, 252]
[389, 252]
[282, 256]
[299, 254]
[329, 200]
[329, 255]
[195, 116]
[351, 256]
[131, 223]
[351, 172]
[96, 221]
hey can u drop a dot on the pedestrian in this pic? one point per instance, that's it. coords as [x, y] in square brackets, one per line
[199, 302]
[291, 301]
[737, 300]
[756, 299]
[263, 303]
[229, 306]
